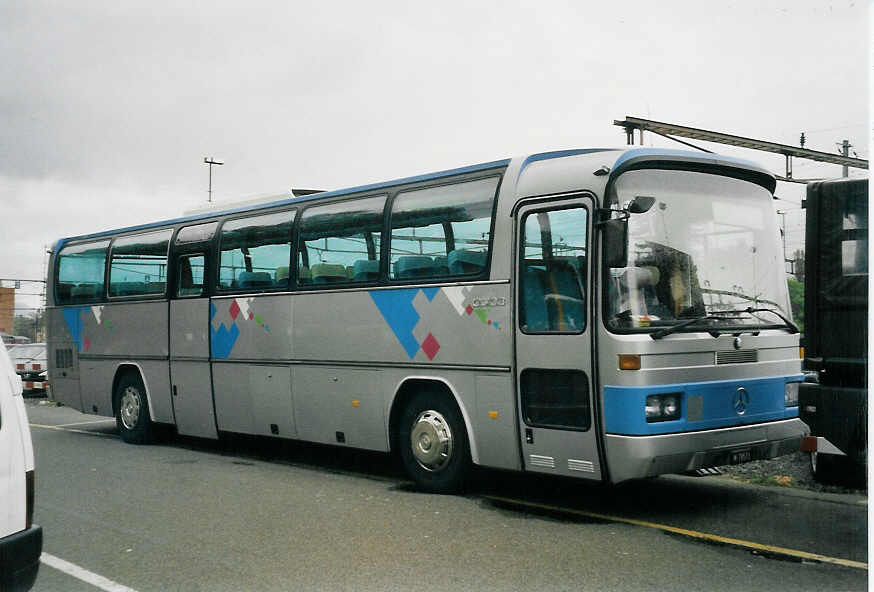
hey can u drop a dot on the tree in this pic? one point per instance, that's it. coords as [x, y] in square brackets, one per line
[31, 327]
[796, 299]
[798, 264]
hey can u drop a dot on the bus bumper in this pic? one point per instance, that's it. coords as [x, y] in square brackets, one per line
[634, 457]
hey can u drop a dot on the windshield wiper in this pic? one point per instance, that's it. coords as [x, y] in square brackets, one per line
[790, 326]
[793, 328]
[674, 328]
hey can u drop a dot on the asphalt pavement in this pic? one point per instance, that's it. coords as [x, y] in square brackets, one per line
[261, 514]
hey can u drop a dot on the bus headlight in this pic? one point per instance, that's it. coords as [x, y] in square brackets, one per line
[662, 407]
[791, 397]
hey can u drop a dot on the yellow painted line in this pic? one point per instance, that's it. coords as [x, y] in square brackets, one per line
[703, 536]
[60, 429]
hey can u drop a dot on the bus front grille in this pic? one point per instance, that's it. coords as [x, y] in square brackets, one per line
[742, 356]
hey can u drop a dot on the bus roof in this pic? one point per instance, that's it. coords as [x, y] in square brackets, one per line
[625, 156]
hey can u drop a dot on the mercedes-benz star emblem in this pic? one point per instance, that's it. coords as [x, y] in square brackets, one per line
[737, 343]
[741, 401]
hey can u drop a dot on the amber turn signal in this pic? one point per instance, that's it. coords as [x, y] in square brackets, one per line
[629, 361]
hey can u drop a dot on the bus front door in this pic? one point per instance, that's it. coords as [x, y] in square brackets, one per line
[553, 338]
[190, 374]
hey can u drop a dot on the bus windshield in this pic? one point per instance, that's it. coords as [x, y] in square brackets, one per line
[708, 248]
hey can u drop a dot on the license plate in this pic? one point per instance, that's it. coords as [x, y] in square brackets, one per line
[740, 456]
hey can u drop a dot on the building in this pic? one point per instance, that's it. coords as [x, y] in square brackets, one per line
[7, 310]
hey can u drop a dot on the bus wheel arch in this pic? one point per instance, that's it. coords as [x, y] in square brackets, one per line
[130, 405]
[431, 435]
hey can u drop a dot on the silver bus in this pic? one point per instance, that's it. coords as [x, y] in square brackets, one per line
[598, 313]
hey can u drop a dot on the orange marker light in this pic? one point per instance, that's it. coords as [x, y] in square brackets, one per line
[356, 403]
[493, 414]
[629, 361]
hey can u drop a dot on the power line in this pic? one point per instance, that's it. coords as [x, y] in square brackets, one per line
[21, 280]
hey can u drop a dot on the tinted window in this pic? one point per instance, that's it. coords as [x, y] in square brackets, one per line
[256, 252]
[139, 264]
[553, 273]
[189, 272]
[81, 270]
[854, 246]
[196, 234]
[340, 243]
[442, 231]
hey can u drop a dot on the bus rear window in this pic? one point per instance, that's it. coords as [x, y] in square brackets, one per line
[81, 270]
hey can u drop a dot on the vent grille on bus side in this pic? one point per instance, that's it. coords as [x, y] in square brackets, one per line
[64, 358]
[586, 466]
[742, 356]
[546, 462]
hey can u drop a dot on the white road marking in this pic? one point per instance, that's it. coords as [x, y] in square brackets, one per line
[66, 425]
[75, 431]
[80, 573]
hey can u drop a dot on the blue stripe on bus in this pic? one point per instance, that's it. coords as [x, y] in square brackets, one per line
[292, 200]
[624, 406]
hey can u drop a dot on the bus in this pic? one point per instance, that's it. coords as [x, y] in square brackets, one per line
[607, 314]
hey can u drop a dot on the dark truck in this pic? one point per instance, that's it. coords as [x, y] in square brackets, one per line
[833, 400]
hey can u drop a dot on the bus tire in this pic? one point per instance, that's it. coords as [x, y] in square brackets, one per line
[132, 410]
[433, 444]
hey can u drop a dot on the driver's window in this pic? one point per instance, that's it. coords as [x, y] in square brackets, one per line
[553, 271]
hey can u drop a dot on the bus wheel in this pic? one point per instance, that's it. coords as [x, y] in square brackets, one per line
[132, 410]
[433, 443]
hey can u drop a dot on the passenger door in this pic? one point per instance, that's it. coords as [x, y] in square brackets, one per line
[553, 338]
[190, 374]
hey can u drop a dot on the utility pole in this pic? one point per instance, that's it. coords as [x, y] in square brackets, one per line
[209, 160]
[782, 214]
[846, 152]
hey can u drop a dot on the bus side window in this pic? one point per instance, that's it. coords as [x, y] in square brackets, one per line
[553, 272]
[138, 264]
[442, 231]
[255, 252]
[340, 243]
[190, 275]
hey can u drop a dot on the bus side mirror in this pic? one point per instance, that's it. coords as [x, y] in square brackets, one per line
[616, 242]
[641, 204]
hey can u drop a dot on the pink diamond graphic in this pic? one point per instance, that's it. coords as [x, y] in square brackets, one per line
[234, 310]
[469, 309]
[430, 346]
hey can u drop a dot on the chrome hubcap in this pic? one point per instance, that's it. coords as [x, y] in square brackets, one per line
[130, 407]
[431, 440]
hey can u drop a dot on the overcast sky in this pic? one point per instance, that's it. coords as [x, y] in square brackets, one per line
[107, 108]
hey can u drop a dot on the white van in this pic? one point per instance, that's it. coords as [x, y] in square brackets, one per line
[20, 539]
